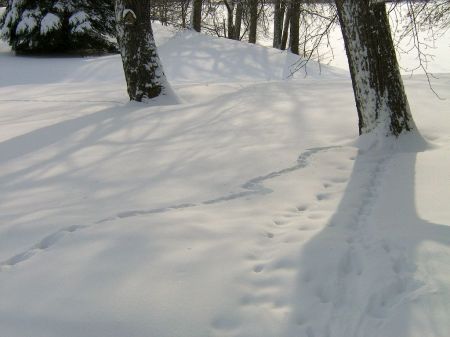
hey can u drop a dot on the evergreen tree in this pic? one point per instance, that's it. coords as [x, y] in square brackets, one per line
[47, 26]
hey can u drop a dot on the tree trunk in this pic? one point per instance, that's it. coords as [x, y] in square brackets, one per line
[238, 21]
[197, 15]
[378, 87]
[294, 33]
[278, 23]
[143, 70]
[183, 17]
[253, 9]
[230, 16]
[287, 21]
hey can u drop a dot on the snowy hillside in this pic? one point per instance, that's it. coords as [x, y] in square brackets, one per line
[249, 209]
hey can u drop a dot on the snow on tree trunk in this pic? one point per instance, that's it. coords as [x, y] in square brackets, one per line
[378, 87]
[287, 20]
[143, 70]
[238, 21]
[278, 23]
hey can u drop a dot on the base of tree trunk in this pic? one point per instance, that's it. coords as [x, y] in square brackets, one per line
[143, 70]
[377, 84]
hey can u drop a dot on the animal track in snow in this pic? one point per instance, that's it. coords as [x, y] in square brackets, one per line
[323, 294]
[42, 245]
[323, 196]
[280, 222]
[254, 186]
[302, 208]
[268, 275]
[258, 268]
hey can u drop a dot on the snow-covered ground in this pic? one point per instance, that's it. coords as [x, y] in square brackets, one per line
[250, 209]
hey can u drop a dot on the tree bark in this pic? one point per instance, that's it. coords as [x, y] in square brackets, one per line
[294, 34]
[143, 70]
[238, 21]
[278, 23]
[197, 15]
[378, 87]
[287, 21]
[253, 9]
[230, 17]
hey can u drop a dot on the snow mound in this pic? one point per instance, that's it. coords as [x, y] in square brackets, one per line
[186, 56]
[193, 57]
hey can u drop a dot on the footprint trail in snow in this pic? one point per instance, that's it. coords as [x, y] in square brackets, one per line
[252, 187]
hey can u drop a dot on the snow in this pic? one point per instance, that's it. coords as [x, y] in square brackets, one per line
[128, 11]
[49, 22]
[79, 22]
[28, 22]
[251, 208]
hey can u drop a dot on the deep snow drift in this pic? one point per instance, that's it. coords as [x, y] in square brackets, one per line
[250, 209]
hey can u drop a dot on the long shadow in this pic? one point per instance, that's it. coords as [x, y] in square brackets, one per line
[360, 276]
[35, 140]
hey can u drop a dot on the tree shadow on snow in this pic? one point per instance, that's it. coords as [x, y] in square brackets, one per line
[49, 157]
[360, 277]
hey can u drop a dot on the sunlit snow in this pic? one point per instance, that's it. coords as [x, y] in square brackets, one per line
[250, 208]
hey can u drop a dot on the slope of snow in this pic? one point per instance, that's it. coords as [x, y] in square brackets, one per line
[248, 210]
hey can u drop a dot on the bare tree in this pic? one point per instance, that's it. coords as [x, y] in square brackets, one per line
[231, 29]
[279, 9]
[171, 12]
[238, 20]
[197, 15]
[287, 20]
[253, 18]
[294, 33]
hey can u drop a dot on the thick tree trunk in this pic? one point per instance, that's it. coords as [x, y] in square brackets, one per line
[197, 15]
[287, 21]
[238, 21]
[278, 23]
[253, 9]
[294, 33]
[143, 70]
[378, 87]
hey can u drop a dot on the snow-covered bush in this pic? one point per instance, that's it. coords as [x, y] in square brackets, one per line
[47, 26]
